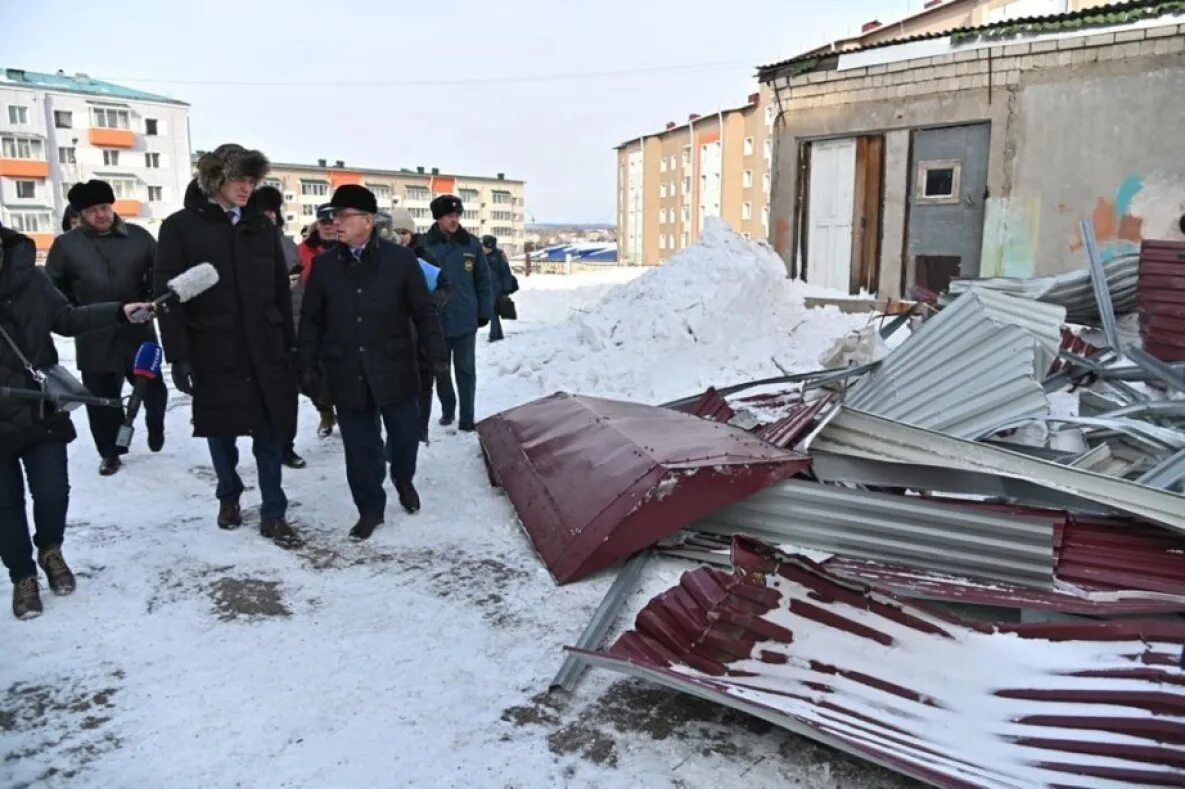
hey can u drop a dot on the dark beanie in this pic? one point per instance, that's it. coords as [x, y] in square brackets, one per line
[268, 198]
[68, 215]
[91, 193]
[445, 205]
[489, 242]
[354, 196]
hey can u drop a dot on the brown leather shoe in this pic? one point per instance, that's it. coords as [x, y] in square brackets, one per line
[280, 532]
[229, 514]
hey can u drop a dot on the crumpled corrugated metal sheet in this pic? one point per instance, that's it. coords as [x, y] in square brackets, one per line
[979, 362]
[594, 480]
[941, 537]
[852, 433]
[1162, 299]
[787, 431]
[1072, 290]
[1095, 554]
[711, 405]
[949, 702]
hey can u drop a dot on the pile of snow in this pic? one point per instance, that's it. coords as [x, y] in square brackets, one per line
[719, 312]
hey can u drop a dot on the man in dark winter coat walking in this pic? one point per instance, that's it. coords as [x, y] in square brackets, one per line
[362, 299]
[233, 347]
[504, 281]
[470, 304]
[270, 201]
[106, 259]
[32, 434]
[320, 238]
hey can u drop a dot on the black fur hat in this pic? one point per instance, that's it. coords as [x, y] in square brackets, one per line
[229, 161]
[354, 196]
[90, 193]
[445, 205]
[268, 198]
[489, 242]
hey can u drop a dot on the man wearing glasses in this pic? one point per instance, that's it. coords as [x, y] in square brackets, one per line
[361, 300]
[321, 237]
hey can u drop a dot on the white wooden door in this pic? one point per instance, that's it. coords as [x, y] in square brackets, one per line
[832, 192]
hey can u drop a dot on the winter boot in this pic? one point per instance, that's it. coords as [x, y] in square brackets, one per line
[445, 421]
[364, 528]
[26, 598]
[293, 460]
[61, 580]
[109, 466]
[156, 440]
[229, 514]
[408, 496]
[325, 428]
[280, 532]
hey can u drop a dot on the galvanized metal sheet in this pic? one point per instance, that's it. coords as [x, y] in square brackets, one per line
[946, 701]
[978, 362]
[905, 530]
[594, 480]
[856, 434]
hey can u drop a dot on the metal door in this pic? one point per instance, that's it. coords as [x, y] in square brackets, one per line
[831, 204]
[948, 190]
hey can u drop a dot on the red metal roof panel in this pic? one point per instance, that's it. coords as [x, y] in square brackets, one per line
[1161, 295]
[594, 480]
[949, 702]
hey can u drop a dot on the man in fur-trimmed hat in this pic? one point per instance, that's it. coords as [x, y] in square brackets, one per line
[232, 348]
[103, 259]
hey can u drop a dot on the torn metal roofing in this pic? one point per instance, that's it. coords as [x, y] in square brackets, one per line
[594, 480]
[905, 530]
[853, 433]
[907, 686]
[975, 364]
[1111, 15]
[1162, 299]
[1107, 555]
[1072, 290]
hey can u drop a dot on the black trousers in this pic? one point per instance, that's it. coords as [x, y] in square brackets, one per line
[105, 422]
[367, 455]
[45, 468]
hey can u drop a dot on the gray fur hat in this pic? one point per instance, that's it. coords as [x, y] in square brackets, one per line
[229, 161]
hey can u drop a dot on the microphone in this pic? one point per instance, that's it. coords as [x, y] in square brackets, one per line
[145, 368]
[181, 288]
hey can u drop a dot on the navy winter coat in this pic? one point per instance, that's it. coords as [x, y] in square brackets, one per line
[471, 290]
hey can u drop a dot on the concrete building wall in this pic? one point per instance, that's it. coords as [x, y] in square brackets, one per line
[1081, 126]
[492, 205]
[150, 188]
[687, 178]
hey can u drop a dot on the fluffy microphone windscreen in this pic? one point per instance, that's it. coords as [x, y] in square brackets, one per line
[194, 281]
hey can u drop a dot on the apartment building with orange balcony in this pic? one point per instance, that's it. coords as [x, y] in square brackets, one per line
[671, 181]
[58, 129]
[493, 204]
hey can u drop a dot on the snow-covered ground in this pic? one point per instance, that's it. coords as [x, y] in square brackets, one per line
[191, 656]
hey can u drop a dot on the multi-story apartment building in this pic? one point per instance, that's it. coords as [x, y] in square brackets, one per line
[670, 182]
[492, 205]
[58, 129]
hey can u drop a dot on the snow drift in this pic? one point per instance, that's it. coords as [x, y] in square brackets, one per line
[719, 312]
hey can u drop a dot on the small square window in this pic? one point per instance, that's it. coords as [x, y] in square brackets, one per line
[26, 190]
[18, 115]
[938, 181]
[150, 127]
[155, 194]
[63, 119]
[110, 158]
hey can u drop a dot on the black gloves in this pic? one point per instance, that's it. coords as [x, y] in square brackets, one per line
[310, 383]
[183, 377]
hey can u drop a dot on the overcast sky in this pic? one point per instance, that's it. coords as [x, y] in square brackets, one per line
[539, 90]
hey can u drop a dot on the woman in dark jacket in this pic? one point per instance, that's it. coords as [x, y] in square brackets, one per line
[33, 434]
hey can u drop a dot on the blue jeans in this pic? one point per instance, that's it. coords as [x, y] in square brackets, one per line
[366, 455]
[49, 484]
[461, 352]
[268, 449]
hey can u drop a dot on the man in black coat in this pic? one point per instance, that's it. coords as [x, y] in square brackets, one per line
[360, 303]
[105, 259]
[233, 347]
[504, 282]
[34, 435]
